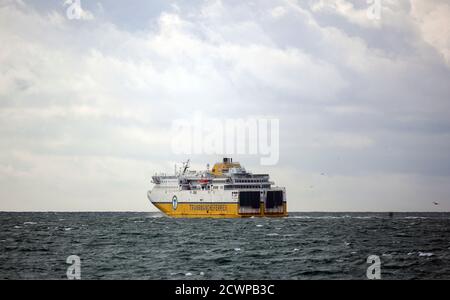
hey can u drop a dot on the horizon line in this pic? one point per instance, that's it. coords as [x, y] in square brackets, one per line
[136, 211]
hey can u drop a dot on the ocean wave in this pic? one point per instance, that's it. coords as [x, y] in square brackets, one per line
[156, 215]
[333, 217]
[426, 254]
[329, 246]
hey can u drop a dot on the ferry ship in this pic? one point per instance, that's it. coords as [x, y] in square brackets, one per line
[225, 191]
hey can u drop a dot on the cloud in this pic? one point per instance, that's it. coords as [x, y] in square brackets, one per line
[346, 10]
[92, 103]
[433, 20]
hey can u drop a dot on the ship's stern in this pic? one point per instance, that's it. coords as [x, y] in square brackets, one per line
[269, 203]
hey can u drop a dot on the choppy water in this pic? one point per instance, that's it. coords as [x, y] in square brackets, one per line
[149, 246]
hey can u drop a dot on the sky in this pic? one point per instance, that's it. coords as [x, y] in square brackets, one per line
[363, 103]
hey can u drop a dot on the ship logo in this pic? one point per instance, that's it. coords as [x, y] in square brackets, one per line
[174, 202]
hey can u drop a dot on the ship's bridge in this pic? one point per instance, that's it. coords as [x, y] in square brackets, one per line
[227, 166]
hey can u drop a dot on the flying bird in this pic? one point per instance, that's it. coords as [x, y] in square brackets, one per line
[435, 203]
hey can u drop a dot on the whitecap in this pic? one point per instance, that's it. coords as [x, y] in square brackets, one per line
[17, 227]
[426, 254]
[333, 217]
[29, 223]
[202, 274]
[272, 234]
[296, 249]
[156, 215]
[188, 274]
[67, 229]
[237, 249]
[259, 225]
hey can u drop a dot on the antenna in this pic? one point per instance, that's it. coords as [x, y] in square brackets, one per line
[186, 166]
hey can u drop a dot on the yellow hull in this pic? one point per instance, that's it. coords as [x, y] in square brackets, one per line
[212, 210]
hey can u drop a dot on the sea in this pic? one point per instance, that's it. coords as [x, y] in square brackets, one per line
[130, 245]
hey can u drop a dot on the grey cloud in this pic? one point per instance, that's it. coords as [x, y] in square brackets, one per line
[359, 102]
